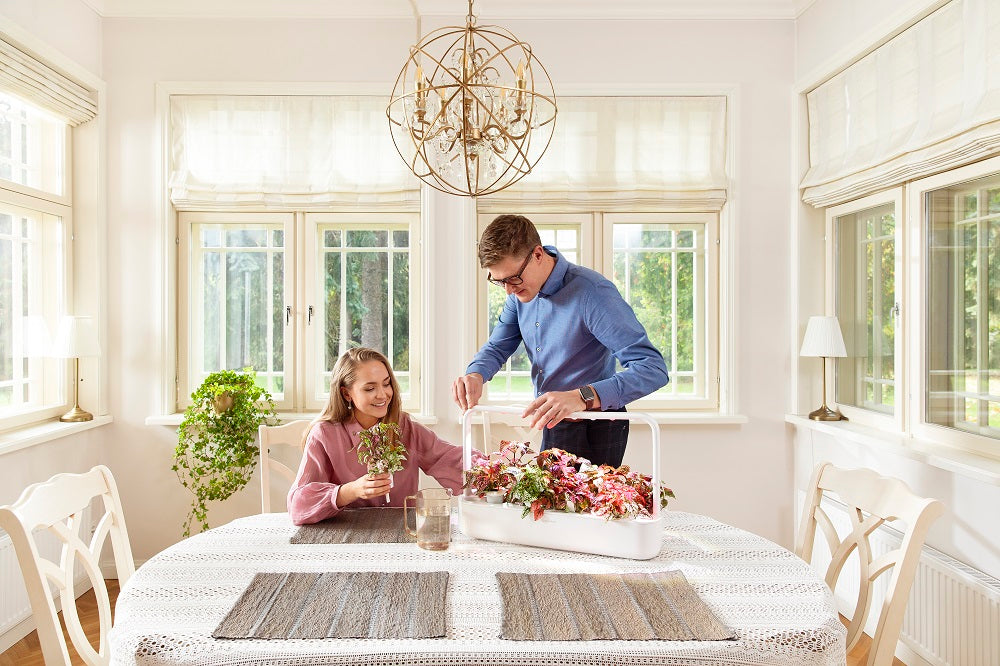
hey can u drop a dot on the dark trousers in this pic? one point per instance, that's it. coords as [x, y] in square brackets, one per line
[599, 441]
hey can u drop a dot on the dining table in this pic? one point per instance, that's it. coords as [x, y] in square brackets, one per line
[778, 608]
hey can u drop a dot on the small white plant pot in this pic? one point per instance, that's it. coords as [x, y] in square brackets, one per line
[494, 496]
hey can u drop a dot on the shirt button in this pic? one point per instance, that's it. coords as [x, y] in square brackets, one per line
[538, 349]
[536, 323]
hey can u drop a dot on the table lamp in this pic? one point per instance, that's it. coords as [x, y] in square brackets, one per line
[35, 339]
[824, 339]
[76, 338]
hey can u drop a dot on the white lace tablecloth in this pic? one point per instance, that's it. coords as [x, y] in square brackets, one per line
[780, 609]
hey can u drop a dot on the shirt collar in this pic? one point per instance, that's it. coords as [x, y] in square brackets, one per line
[556, 278]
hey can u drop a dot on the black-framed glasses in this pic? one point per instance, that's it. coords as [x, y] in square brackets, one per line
[513, 280]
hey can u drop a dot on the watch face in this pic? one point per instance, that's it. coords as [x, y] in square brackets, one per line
[587, 393]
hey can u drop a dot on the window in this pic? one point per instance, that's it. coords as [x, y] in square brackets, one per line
[866, 303]
[666, 267]
[258, 287]
[35, 225]
[962, 302]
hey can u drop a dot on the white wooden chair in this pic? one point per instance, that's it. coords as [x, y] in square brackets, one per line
[57, 506]
[290, 435]
[871, 500]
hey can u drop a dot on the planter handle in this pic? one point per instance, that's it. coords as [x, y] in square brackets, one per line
[596, 416]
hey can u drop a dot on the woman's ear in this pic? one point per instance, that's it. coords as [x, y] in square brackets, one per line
[345, 394]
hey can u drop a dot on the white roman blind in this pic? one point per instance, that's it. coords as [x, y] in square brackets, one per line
[609, 152]
[24, 75]
[285, 153]
[926, 101]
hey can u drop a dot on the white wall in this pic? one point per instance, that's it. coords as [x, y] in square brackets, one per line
[830, 35]
[739, 474]
[69, 26]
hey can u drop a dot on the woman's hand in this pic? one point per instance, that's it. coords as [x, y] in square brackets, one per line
[364, 487]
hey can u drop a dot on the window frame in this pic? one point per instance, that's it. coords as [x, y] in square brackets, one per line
[917, 259]
[309, 245]
[709, 294]
[185, 248]
[597, 252]
[896, 421]
[300, 261]
[55, 374]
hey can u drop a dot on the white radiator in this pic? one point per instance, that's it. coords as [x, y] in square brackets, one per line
[15, 612]
[953, 615]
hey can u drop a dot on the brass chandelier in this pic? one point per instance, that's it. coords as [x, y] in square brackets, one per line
[479, 112]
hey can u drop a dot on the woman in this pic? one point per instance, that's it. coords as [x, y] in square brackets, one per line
[363, 392]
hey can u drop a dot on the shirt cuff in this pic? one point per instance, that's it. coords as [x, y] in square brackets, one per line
[605, 390]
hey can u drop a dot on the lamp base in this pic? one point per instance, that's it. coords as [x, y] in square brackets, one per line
[824, 413]
[76, 415]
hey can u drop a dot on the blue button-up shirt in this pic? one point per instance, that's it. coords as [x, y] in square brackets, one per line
[573, 331]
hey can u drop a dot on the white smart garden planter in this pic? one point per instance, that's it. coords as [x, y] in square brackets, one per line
[635, 538]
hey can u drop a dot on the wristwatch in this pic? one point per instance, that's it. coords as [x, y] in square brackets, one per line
[588, 395]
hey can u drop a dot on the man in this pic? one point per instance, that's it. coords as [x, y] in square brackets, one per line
[574, 324]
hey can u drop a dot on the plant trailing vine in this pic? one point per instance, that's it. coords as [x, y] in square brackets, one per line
[216, 450]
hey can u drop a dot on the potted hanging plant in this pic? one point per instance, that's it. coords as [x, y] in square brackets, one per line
[216, 450]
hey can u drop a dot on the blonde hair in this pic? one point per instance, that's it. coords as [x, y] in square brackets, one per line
[337, 409]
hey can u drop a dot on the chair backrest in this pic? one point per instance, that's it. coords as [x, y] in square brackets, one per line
[871, 500]
[499, 426]
[289, 434]
[57, 506]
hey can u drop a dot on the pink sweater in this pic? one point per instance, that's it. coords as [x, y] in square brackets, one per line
[328, 461]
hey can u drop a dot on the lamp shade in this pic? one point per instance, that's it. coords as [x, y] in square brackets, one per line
[36, 340]
[76, 338]
[823, 338]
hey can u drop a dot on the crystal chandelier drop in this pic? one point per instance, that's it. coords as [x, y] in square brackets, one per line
[472, 110]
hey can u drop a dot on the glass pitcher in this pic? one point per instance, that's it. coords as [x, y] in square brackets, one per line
[433, 517]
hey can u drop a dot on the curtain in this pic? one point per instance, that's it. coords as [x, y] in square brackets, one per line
[613, 152]
[285, 152]
[24, 75]
[926, 101]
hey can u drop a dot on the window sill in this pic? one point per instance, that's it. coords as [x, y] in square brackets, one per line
[22, 438]
[678, 418]
[175, 419]
[931, 453]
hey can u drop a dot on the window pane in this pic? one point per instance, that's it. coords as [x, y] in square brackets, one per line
[239, 301]
[657, 268]
[866, 307]
[366, 297]
[513, 381]
[31, 274]
[32, 146]
[963, 305]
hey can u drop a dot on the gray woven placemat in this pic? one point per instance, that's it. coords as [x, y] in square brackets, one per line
[357, 526]
[574, 606]
[340, 604]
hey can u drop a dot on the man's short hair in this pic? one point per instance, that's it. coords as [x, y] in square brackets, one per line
[507, 236]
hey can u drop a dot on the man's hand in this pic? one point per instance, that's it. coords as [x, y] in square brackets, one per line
[467, 390]
[550, 408]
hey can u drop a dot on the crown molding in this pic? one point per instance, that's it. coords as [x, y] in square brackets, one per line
[485, 10]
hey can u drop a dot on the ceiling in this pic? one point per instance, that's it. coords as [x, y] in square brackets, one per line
[483, 9]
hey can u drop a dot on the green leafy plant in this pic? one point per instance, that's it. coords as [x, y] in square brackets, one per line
[380, 448]
[216, 451]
